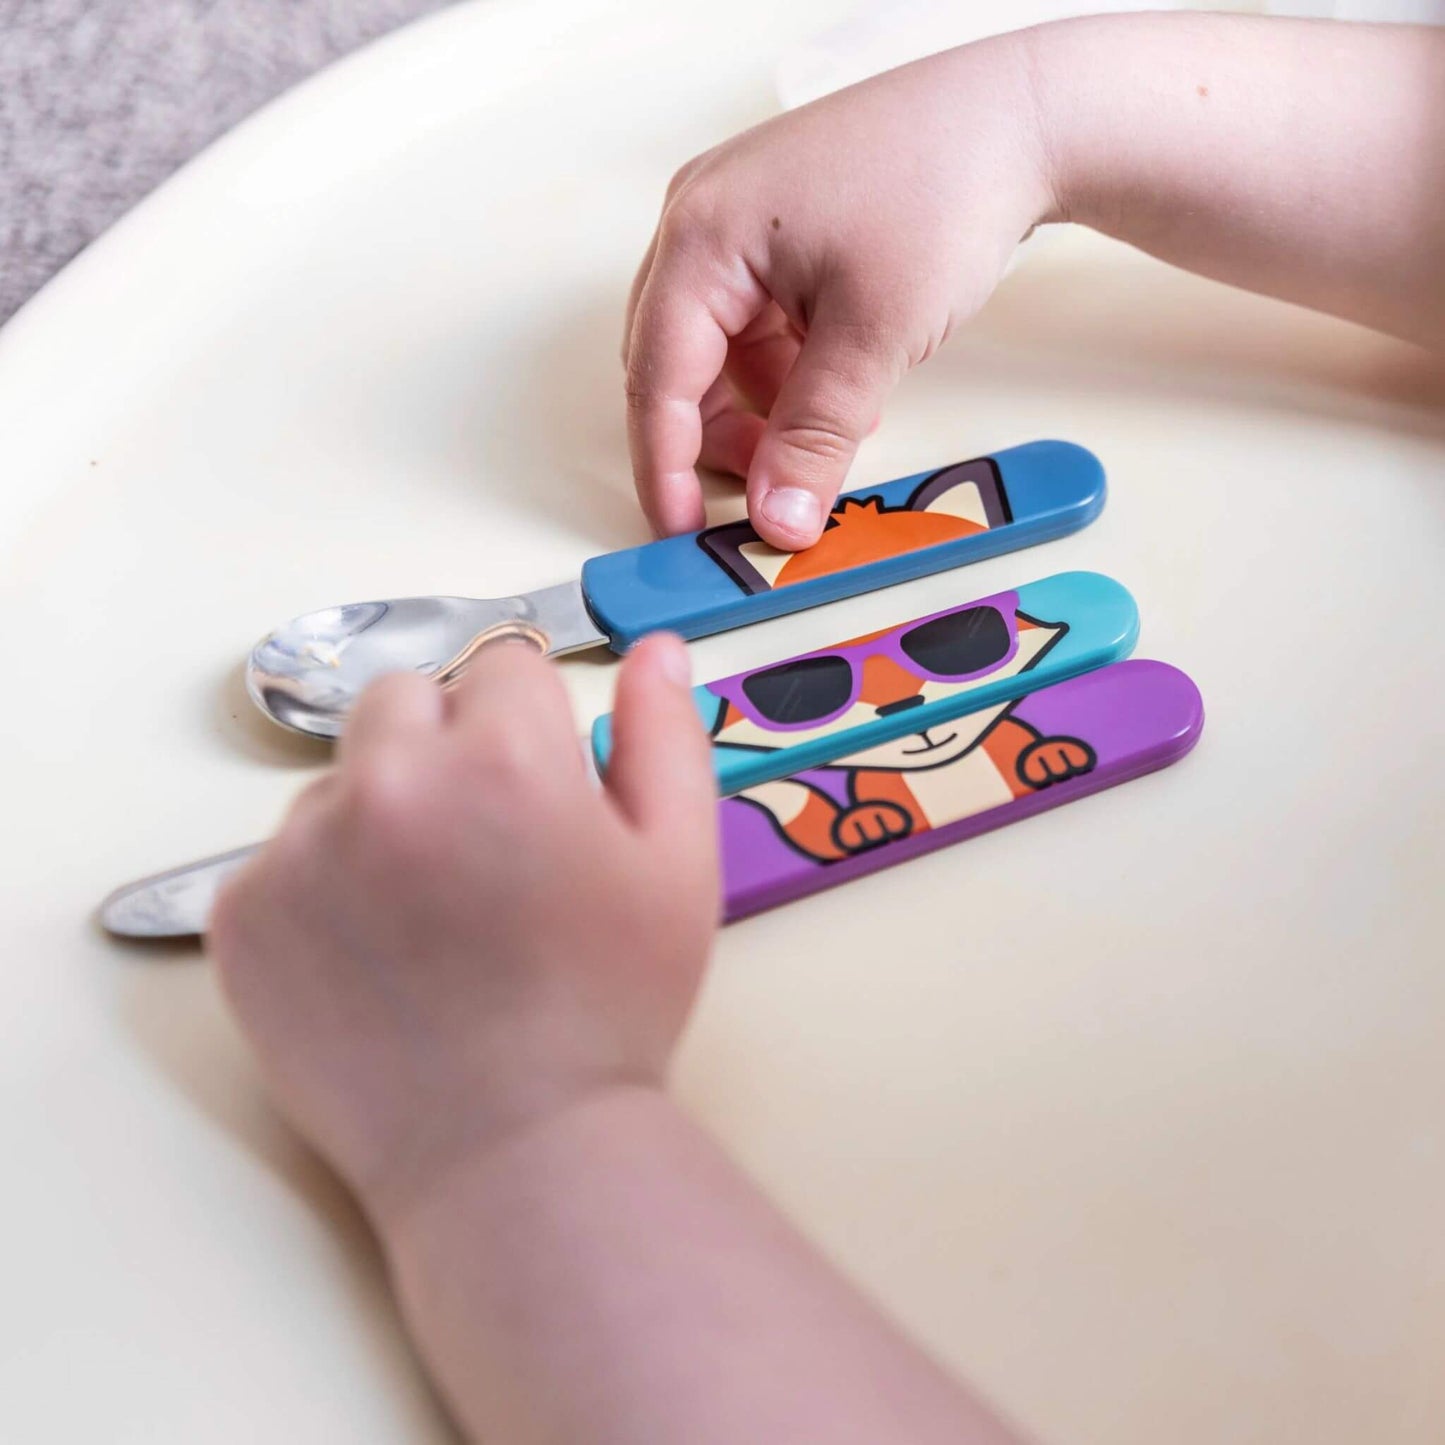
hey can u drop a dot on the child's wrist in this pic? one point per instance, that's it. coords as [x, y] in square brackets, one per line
[1051, 56]
[420, 1173]
[1084, 85]
[1118, 98]
[1026, 75]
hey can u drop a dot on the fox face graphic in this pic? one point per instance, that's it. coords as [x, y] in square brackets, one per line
[920, 781]
[880, 675]
[953, 503]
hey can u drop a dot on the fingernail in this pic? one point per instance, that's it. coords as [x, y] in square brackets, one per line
[672, 660]
[793, 510]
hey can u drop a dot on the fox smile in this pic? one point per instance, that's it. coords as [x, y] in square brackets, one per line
[930, 745]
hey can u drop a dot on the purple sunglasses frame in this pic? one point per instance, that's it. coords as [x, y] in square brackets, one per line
[855, 653]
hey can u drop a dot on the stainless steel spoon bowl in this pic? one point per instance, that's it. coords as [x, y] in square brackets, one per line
[308, 674]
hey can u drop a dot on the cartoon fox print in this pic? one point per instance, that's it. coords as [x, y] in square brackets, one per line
[926, 779]
[953, 503]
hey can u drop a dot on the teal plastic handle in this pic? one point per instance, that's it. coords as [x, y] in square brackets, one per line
[725, 577]
[903, 686]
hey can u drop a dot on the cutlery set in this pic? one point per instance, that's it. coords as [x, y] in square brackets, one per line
[839, 761]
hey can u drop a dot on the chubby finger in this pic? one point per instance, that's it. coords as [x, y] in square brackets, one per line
[829, 402]
[730, 431]
[761, 356]
[511, 701]
[678, 350]
[729, 439]
[679, 180]
[660, 772]
[398, 708]
[635, 294]
[736, 406]
[690, 305]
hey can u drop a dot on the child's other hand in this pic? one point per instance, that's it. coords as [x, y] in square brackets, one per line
[456, 932]
[800, 269]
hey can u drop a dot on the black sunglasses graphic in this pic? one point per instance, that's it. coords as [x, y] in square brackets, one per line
[810, 691]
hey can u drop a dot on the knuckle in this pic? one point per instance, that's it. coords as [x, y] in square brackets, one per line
[691, 220]
[509, 663]
[862, 350]
[380, 795]
[680, 177]
[819, 436]
[510, 683]
[510, 760]
[644, 389]
[687, 171]
[642, 396]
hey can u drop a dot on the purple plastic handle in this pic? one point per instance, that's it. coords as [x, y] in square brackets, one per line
[785, 839]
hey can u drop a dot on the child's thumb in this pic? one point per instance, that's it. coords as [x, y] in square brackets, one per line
[826, 405]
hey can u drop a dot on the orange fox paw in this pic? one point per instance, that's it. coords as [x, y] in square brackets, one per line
[1051, 760]
[870, 825]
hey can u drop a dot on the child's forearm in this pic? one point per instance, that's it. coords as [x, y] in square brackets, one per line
[611, 1277]
[1303, 159]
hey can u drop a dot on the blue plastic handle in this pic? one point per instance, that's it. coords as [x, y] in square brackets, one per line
[724, 577]
[1021, 641]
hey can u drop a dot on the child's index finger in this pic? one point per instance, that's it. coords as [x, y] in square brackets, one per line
[679, 348]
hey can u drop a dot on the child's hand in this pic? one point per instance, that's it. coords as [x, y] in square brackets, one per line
[456, 932]
[464, 968]
[800, 269]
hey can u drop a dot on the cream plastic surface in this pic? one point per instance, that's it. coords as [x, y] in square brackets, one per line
[1132, 1111]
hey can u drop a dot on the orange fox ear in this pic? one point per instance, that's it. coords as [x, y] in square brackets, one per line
[724, 718]
[1025, 622]
[845, 506]
[867, 532]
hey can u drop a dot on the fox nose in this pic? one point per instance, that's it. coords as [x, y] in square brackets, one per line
[902, 705]
[889, 687]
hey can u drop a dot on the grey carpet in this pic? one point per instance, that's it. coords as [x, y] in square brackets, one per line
[100, 100]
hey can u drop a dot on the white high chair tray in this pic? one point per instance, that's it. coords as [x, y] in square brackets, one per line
[1131, 1112]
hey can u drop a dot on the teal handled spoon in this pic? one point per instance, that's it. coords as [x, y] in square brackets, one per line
[896, 693]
